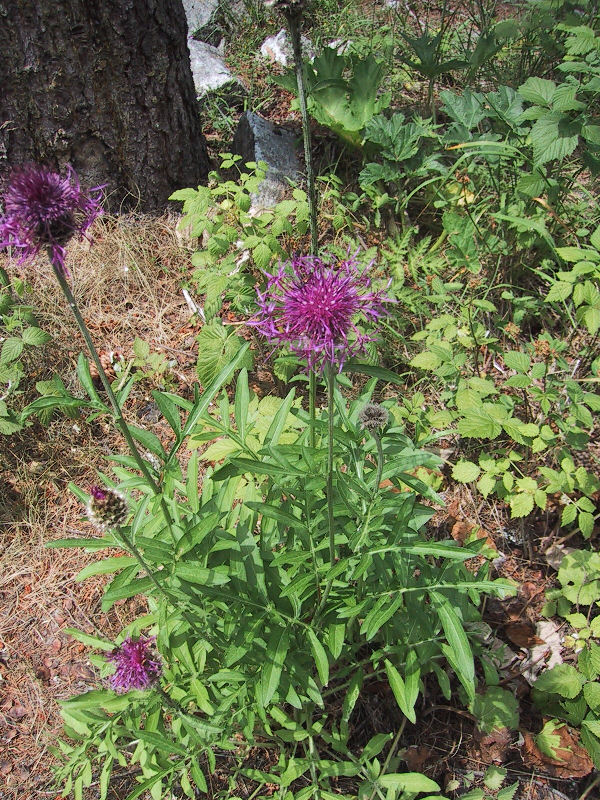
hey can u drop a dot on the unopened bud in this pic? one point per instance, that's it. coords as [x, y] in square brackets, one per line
[373, 416]
[107, 508]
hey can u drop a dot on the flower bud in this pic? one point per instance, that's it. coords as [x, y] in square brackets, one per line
[107, 508]
[373, 416]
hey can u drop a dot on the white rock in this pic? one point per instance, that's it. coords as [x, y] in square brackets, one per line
[208, 68]
[278, 49]
[199, 13]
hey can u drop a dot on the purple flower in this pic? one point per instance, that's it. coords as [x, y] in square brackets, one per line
[135, 666]
[43, 209]
[312, 304]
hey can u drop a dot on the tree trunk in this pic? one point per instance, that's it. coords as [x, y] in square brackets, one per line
[106, 86]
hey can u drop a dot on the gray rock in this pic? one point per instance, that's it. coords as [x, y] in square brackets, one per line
[199, 13]
[257, 139]
[278, 48]
[210, 71]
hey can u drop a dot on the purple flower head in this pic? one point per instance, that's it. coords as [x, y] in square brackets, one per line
[136, 668]
[311, 305]
[43, 209]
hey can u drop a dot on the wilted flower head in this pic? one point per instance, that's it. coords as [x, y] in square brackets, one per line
[136, 666]
[43, 209]
[107, 508]
[373, 416]
[286, 6]
[311, 304]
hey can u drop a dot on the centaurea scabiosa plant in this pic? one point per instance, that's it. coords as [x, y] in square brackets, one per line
[43, 209]
[313, 304]
[137, 667]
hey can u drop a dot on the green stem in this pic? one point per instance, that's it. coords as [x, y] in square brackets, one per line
[330, 521]
[173, 601]
[293, 21]
[4, 279]
[379, 462]
[118, 416]
[312, 395]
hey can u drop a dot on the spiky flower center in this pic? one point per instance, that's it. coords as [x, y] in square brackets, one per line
[136, 665]
[313, 305]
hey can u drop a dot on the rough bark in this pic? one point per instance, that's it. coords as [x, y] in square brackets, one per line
[106, 86]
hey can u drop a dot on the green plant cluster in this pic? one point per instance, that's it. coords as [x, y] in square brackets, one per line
[304, 627]
[571, 692]
[20, 335]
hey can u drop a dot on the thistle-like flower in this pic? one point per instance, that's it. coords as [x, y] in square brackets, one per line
[107, 508]
[373, 416]
[136, 665]
[312, 304]
[43, 209]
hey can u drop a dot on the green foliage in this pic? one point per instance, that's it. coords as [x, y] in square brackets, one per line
[343, 104]
[391, 603]
[234, 236]
[566, 691]
[20, 335]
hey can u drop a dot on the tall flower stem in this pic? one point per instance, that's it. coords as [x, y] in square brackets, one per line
[379, 461]
[293, 20]
[312, 396]
[330, 405]
[118, 416]
[330, 520]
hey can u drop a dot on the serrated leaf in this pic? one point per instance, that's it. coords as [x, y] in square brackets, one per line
[538, 91]
[553, 137]
[563, 679]
[515, 359]
[35, 336]
[560, 290]
[11, 350]
[217, 346]
[521, 505]
[479, 425]
[486, 484]
[426, 360]
[465, 471]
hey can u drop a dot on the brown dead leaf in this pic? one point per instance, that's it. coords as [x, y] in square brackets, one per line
[416, 756]
[574, 761]
[17, 712]
[464, 531]
[522, 634]
[43, 673]
[493, 746]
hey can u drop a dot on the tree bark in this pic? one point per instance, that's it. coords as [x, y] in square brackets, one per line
[106, 86]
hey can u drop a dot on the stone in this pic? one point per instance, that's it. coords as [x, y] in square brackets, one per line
[210, 71]
[278, 49]
[199, 13]
[257, 139]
